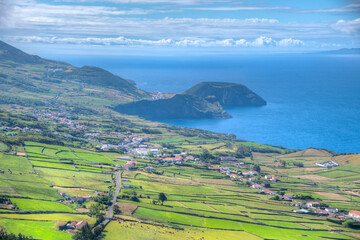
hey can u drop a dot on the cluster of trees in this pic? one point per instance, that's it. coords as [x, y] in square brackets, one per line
[134, 197]
[346, 223]
[243, 151]
[29, 136]
[6, 236]
[206, 156]
[86, 233]
[6, 99]
[96, 210]
[4, 200]
[150, 131]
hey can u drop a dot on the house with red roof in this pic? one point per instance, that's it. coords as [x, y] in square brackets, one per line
[289, 195]
[257, 186]
[272, 178]
[268, 192]
[80, 225]
[214, 167]
[354, 215]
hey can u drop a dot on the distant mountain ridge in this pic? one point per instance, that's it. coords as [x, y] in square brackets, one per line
[8, 52]
[355, 51]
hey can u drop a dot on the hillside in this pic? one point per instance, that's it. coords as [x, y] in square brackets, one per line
[178, 106]
[24, 76]
[8, 52]
[228, 94]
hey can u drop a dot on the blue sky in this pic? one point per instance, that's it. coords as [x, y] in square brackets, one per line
[180, 25]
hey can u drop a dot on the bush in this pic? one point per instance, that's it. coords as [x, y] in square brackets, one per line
[134, 199]
[276, 197]
[335, 220]
[351, 224]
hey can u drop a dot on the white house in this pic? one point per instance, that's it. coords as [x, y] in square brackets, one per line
[354, 215]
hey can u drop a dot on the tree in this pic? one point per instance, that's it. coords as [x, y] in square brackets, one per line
[134, 199]
[150, 154]
[95, 209]
[85, 234]
[117, 209]
[99, 217]
[162, 198]
[257, 168]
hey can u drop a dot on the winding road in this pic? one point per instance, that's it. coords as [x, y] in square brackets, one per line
[113, 200]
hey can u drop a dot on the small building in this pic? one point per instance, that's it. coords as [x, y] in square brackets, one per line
[313, 204]
[233, 176]
[268, 192]
[253, 173]
[354, 215]
[62, 194]
[128, 186]
[332, 210]
[272, 178]
[80, 225]
[321, 212]
[302, 211]
[214, 167]
[257, 186]
[289, 195]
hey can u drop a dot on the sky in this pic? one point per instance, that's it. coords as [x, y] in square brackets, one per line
[105, 26]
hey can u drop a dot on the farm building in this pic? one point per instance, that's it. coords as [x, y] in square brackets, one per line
[313, 204]
[289, 195]
[354, 215]
[257, 186]
[302, 211]
[271, 178]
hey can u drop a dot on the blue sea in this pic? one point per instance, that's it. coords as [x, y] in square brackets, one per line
[313, 99]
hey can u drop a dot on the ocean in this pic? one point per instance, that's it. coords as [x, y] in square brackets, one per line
[313, 99]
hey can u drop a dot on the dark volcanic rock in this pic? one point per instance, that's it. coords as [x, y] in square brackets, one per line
[228, 94]
[178, 106]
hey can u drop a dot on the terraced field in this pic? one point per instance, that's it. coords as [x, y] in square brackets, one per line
[200, 203]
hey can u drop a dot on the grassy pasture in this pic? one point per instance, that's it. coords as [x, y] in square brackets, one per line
[57, 217]
[146, 232]
[64, 178]
[37, 229]
[38, 205]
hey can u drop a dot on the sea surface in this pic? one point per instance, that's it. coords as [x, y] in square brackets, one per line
[313, 99]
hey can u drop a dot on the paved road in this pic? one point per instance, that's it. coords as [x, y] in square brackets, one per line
[113, 200]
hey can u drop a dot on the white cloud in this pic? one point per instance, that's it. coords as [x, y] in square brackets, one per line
[232, 8]
[179, 2]
[348, 8]
[261, 41]
[261, 20]
[289, 42]
[352, 26]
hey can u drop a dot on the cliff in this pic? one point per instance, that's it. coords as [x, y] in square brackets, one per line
[228, 94]
[178, 106]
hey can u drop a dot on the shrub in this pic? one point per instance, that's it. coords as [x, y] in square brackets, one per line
[134, 199]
